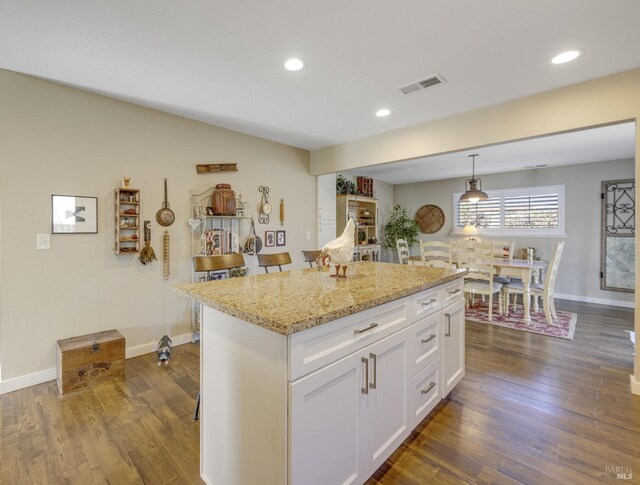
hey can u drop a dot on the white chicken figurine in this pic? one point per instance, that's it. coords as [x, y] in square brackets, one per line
[339, 251]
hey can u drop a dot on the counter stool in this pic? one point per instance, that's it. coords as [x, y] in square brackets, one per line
[266, 261]
[310, 257]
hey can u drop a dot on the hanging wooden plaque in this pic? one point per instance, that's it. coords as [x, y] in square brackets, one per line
[430, 219]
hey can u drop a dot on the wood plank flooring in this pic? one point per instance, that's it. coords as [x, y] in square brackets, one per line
[531, 409]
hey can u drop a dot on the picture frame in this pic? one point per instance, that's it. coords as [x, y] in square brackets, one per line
[281, 238]
[74, 214]
[269, 238]
[209, 211]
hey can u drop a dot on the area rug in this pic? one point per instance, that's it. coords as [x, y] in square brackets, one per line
[564, 326]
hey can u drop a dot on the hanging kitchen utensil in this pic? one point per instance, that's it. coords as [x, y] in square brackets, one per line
[254, 243]
[165, 216]
[147, 254]
[282, 212]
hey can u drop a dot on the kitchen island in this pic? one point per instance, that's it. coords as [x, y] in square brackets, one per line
[308, 379]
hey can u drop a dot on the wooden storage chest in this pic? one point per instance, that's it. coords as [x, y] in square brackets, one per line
[89, 359]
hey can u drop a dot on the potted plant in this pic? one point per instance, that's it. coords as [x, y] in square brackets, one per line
[399, 226]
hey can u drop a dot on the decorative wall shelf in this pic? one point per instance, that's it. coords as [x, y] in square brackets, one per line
[127, 221]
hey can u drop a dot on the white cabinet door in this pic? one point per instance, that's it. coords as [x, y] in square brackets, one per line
[326, 232]
[387, 408]
[326, 196]
[325, 421]
[453, 345]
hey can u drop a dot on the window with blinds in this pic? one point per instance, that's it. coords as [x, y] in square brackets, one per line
[530, 211]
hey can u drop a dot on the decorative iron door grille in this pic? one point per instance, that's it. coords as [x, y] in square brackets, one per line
[617, 259]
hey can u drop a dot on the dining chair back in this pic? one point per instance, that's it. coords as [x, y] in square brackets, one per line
[503, 249]
[477, 259]
[209, 264]
[267, 261]
[403, 251]
[436, 253]
[546, 291]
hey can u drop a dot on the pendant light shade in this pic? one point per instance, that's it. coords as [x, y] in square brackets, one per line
[473, 186]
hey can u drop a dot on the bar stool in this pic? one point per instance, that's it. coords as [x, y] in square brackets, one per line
[310, 257]
[267, 261]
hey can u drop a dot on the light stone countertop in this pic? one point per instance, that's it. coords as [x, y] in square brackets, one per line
[296, 300]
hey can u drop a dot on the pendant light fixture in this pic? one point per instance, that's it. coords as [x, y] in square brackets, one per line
[473, 186]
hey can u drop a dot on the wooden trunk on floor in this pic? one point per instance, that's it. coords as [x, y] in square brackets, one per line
[90, 359]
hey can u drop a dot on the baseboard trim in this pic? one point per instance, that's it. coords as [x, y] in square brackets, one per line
[598, 301]
[635, 386]
[153, 346]
[45, 375]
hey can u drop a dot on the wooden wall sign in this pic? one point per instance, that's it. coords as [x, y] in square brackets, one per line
[217, 167]
[430, 219]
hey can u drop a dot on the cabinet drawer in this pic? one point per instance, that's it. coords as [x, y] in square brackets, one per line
[314, 348]
[426, 342]
[425, 303]
[452, 292]
[425, 392]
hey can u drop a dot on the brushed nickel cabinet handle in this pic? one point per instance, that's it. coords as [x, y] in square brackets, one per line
[431, 386]
[433, 300]
[454, 291]
[365, 389]
[427, 340]
[373, 357]
[370, 327]
[448, 332]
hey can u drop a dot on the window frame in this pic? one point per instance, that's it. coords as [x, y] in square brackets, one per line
[518, 192]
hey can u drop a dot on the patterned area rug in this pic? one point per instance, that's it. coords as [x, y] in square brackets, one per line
[563, 327]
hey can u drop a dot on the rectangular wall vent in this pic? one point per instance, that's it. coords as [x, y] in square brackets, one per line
[421, 84]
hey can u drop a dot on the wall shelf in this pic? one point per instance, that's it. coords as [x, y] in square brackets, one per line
[127, 225]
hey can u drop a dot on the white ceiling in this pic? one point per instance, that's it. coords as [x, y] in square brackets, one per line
[220, 61]
[614, 142]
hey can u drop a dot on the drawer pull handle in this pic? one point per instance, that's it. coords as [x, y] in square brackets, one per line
[454, 291]
[370, 327]
[431, 386]
[373, 384]
[425, 303]
[427, 340]
[365, 389]
[448, 332]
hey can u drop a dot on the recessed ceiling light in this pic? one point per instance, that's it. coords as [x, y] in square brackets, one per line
[381, 113]
[293, 64]
[566, 57]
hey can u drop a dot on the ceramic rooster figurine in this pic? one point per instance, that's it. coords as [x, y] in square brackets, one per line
[339, 251]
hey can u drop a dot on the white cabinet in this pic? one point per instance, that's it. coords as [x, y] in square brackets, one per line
[325, 424]
[453, 346]
[386, 413]
[347, 418]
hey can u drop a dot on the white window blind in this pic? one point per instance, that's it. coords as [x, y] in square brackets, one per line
[535, 211]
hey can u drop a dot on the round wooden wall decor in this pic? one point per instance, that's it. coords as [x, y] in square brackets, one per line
[430, 219]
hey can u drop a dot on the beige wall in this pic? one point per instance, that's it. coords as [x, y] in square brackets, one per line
[55, 139]
[580, 266]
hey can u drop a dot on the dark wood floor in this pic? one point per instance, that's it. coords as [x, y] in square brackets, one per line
[531, 409]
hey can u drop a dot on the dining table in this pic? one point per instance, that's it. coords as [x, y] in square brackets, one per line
[524, 269]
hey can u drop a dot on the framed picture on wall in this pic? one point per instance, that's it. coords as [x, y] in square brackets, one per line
[74, 214]
[269, 238]
[281, 238]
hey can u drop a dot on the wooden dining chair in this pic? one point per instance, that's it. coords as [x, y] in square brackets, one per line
[310, 257]
[436, 254]
[207, 265]
[546, 290]
[478, 260]
[267, 261]
[503, 250]
[403, 251]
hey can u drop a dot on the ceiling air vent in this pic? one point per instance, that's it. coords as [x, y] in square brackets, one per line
[425, 83]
